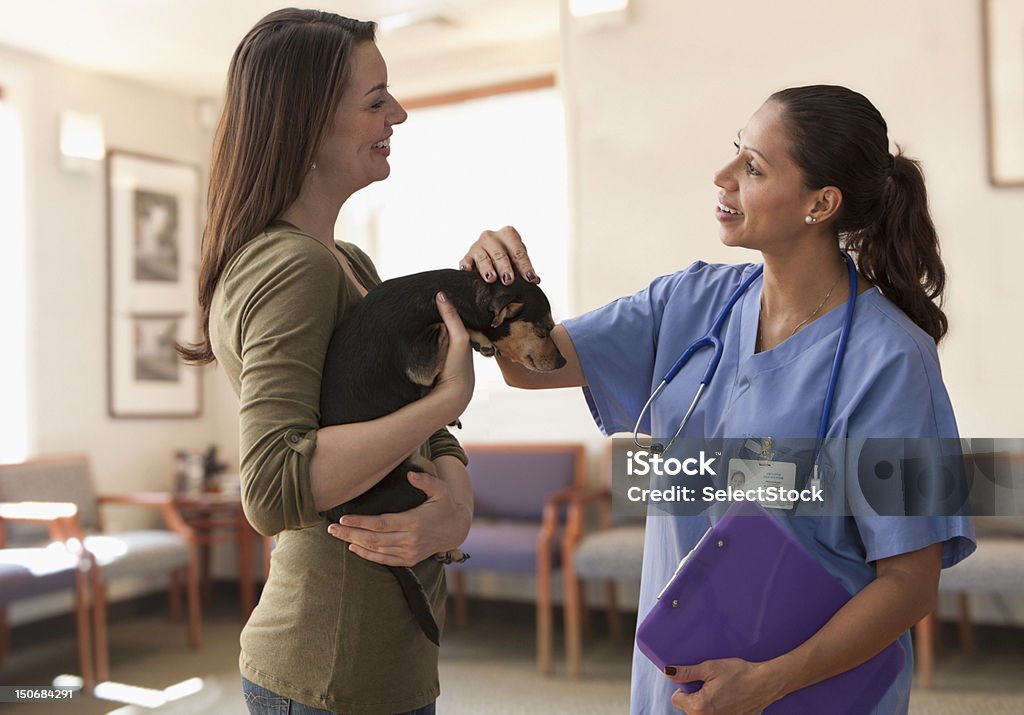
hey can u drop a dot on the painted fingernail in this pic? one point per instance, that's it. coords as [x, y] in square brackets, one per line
[531, 276]
[441, 298]
[489, 276]
[670, 670]
[506, 278]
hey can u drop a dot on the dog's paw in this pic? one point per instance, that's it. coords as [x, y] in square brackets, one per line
[479, 342]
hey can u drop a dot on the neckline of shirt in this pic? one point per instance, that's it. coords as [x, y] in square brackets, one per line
[824, 326]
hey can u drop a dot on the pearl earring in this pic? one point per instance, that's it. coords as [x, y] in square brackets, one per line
[810, 219]
[313, 165]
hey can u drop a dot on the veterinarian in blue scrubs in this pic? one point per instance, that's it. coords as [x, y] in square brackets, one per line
[811, 165]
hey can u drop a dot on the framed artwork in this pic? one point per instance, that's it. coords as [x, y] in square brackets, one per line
[1003, 49]
[153, 254]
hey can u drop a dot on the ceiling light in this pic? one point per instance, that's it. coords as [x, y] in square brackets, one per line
[584, 8]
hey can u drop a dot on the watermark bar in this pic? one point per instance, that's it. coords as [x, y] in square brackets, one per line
[838, 477]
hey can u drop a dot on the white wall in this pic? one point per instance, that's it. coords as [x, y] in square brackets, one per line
[652, 109]
[67, 269]
[654, 106]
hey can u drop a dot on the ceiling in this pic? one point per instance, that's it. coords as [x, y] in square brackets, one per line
[186, 45]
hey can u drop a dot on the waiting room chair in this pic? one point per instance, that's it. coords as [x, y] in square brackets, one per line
[114, 555]
[519, 492]
[996, 569]
[61, 565]
[611, 553]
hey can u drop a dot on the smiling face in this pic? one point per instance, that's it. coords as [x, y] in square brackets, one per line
[355, 151]
[762, 200]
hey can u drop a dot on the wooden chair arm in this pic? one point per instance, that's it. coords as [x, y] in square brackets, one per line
[60, 517]
[565, 497]
[574, 520]
[549, 518]
[571, 498]
[149, 499]
[589, 494]
[154, 500]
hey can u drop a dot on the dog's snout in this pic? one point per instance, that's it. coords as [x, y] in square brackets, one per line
[544, 356]
[529, 344]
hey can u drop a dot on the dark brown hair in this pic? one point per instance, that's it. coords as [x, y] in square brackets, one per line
[840, 139]
[284, 82]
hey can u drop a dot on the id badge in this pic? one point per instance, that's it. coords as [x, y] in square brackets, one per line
[768, 482]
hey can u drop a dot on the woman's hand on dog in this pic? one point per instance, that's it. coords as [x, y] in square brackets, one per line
[439, 524]
[499, 253]
[454, 385]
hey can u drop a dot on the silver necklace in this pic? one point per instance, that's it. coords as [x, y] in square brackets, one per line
[803, 322]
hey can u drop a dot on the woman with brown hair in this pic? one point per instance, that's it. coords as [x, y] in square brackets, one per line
[307, 122]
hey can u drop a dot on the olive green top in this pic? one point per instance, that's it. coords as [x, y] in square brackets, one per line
[331, 630]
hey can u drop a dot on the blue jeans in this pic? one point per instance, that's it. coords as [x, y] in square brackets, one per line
[261, 701]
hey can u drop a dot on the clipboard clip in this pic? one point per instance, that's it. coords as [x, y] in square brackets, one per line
[683, 561]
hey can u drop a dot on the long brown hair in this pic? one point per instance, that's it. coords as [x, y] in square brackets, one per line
[284, 82]
[840, 139]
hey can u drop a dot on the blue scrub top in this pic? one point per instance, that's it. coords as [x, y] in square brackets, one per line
[889, 386]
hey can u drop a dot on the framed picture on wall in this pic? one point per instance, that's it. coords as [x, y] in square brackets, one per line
[147, 378]
[1003, 43]
[153, 260]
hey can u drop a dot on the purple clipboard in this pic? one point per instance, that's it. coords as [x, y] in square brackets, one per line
[750, 590]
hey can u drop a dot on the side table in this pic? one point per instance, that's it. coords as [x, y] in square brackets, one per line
[219, 517]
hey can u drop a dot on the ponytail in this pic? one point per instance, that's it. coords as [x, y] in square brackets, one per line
[838, 138]
[899, 253]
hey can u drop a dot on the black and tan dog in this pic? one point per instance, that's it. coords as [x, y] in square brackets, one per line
[389, 352]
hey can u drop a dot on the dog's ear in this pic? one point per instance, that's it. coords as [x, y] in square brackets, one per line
[502, 312]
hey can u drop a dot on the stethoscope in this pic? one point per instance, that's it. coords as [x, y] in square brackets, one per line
[713, 340]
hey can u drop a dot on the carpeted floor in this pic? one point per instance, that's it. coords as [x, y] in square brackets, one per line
[486, 669]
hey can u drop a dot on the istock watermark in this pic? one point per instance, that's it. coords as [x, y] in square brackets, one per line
[855, 477]
[642, 464]
[765, 495]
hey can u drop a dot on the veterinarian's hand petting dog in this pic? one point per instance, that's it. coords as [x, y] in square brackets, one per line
[406, 538]
[503, 254]
[500, 253]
